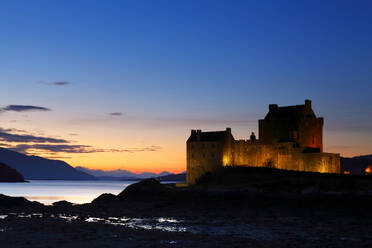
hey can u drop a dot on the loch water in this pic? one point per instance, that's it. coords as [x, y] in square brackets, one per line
[49, 191]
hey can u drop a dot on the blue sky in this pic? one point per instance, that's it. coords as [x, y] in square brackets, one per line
[170, 66]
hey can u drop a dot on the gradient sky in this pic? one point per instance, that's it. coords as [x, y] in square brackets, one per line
[125, 81]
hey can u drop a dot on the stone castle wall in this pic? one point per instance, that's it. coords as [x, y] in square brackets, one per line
[203, 157]
[290, 138]
[285, 156]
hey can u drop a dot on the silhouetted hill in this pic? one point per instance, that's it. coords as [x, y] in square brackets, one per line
[120, 174]
[8, 174]
[173, 177]
[9, 202]
[275, 180]
[364, 156]
[356, 165]
[33, 167]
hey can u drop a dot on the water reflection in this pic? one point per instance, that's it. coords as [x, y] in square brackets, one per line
[49, 191]
[198, 226]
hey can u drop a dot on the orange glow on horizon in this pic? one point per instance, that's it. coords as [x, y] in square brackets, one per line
[102, 134]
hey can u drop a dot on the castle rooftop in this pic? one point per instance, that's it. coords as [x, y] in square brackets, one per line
[198, 135]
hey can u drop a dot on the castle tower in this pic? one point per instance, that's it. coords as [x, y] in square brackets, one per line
[296, 123]
[207, 151]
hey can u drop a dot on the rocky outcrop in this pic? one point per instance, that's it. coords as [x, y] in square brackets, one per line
[7, 202]
[147, 188]
[8, 174]
[62, 204]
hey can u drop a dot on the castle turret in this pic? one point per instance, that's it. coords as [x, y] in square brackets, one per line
[296, 123]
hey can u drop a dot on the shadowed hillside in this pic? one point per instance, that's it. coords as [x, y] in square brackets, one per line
[8, 174]
[274, 180]
[356, 165]
[33, 167]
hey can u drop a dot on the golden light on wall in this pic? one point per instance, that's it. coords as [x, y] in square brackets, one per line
[368, 170]
[226, 160]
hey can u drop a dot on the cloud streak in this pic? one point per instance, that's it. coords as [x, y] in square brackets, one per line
[32, 145]
[55, 83]
[116, 114]
[60, 83]
[66, 148]
[23, 108]
[7, 136]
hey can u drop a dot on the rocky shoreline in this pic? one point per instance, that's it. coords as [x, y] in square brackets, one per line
[150, 214]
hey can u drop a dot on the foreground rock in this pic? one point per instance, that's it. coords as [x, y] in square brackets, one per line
[9, 202]
[8, 174]
[62, 204]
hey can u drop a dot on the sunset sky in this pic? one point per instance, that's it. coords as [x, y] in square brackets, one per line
[120, 84]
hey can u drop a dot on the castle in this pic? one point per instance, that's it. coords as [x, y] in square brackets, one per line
[290, 138]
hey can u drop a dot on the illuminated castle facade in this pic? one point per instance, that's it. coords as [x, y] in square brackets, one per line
[290, 138]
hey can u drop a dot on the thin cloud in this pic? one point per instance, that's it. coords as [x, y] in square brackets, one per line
[24, 148]
[60, 83]
[6, 135]
[56, 83]
[56, 157]
[116, 113]
[65, 148]
[23, 108]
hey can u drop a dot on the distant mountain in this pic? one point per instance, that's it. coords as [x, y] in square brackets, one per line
[356, 165]
[364, 156]
[120, 174]
[33, 167]
[8, 174]
[106, 178]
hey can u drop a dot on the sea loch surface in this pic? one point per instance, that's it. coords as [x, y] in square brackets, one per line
[49, 191]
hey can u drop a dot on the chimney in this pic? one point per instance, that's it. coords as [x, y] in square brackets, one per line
[308, 103]
[198, 133]
[273, 107]
[193, 131]
[228, 129]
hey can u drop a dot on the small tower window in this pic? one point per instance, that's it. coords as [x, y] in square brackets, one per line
[203, 155]
[313, 140]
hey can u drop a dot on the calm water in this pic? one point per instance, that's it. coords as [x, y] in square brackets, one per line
[49, 191]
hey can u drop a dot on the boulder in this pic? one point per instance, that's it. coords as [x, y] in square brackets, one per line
[147, 188]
